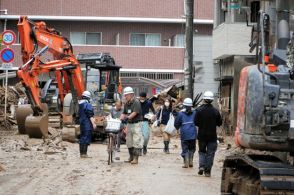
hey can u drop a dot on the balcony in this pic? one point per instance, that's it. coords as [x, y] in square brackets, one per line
[231, 39]
[154, 59]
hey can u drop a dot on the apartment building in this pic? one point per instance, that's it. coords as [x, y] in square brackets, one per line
[146, 38]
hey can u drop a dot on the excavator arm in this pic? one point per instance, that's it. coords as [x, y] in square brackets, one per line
[64, 64]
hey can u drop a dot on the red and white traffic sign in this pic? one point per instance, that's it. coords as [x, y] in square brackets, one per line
[8, 37]
[7, 55]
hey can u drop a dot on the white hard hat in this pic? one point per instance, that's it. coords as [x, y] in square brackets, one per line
[128, 90]
[188, 102]
[87, 94]
[208, 95]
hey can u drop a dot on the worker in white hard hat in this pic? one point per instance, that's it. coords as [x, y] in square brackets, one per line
[207, 119]
[87, 123]
[185, 122]
[132, 114]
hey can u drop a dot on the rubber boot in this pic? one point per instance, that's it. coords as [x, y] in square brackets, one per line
[207, 172]
[144, 150]
[186, 161]
[135, 160]
[201, 170]
[85, 150]
[166, 147]
[131, 153]
[81, 150]
[191, 156]
[136, 156]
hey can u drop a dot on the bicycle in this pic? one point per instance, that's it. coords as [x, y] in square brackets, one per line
[112, 128]
[112, 139]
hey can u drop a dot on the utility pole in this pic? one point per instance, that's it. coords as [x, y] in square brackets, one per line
[188, 63]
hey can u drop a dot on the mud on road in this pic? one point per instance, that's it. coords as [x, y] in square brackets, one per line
[28, 170]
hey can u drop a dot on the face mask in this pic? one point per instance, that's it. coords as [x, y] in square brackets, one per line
[166, 104]
[188, 109]
[142, 101]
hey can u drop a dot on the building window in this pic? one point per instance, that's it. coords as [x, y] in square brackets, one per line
[179, 40]
[93, 38]
[128, 74]
[145, 39]
[86, 38]
[77, 38]
[164, 76]
[148, 75]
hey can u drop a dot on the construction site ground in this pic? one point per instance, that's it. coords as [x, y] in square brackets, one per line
[27, 169]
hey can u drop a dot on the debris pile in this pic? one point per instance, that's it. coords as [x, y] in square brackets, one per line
[14, 94]
[52, 144]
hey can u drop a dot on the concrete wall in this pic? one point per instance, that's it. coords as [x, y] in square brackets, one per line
[205, 70]
[231, 39]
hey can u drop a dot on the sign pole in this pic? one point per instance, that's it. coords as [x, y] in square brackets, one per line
[5, 104]
[7, 56]
[5, 26]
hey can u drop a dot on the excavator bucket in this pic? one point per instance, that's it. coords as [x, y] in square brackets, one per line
[34, 126]
[21, 114]
[37, 126]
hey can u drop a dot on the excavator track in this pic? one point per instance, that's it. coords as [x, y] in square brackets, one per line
[256, 174]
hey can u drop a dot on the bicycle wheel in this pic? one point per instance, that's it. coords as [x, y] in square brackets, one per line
[110, 148]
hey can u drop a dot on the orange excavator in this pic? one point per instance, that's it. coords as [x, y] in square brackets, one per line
[36, 38]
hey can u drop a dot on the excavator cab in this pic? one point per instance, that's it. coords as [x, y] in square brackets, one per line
[101, 79]
[101, 76]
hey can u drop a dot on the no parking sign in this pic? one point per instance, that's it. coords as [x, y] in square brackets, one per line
[7, 55]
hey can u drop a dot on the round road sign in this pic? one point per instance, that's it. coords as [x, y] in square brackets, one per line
[7, 55]
[8, 37]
